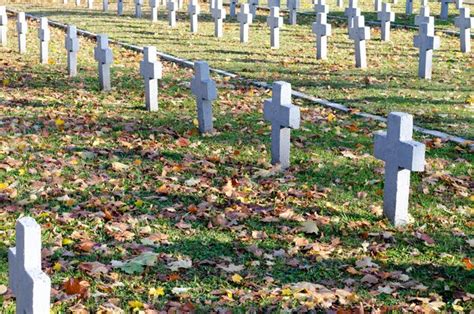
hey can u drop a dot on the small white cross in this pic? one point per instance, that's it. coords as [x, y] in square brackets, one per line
[205, 91]
[426, 41]
[274, 21]
[465, 22]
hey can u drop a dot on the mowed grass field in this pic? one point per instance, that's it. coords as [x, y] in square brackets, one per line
[139, 212]
[389, 84]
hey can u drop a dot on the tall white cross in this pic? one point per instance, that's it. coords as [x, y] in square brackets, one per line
[321, 7]
[22, 29]
[44, 36]
[340, 3]
[424, 16]
[426, 41]
[103, 56]
[218, 13]
[72, 47]
[151, 70]
[351, 12]
[154, 10]
[283, 116]
[445, 9]
[293, 6]
[377, 5]
[322, 30]
[465, 22]
[274, 21]
[78, 3]
[3, 26]
[90, 4]
[194, 10]
[401, 155]
[205, 91]
[359, 34]
[119, 7]
[30, 285]
[138, 8]
[245, 19]
[385, 16]
[172, 7]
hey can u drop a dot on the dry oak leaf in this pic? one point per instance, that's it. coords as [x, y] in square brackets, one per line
[73, 286]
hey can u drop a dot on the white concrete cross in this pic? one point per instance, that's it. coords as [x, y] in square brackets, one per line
[172, 7]
[30, 285]
[205, 91]
[180, 4]
[283, 116]
[274, 21]
[64, 1]
[3, 26]
[322, 30]
[232, 7]
[386, 17]
[321, 7]
[424, 16]
[377, 5]
[253, 7]
[459, 4]
[275, 3]
[105, 5]
[194, 10]
[151, 70]
[293, 6]
[359, 34]
[138, 8]
[218, 13]
[154, 10]
[351, 12]
[409, 7]
[245, 18]
[44, 36]
[119, 7]
[22, 29]
[78, 3]
[465, 22]
[340, 3]
[426, 41]
[401, 155]
[104, 57]
[445, 9]
[72, 47]
[90, 4]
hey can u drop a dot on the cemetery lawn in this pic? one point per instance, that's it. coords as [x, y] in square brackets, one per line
[445, 103]
[140, 212]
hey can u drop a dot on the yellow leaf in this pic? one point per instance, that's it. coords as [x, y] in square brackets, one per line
[59, 122]
[137, 162]
[67, 241]
[5, 82]
[237, 278]
[195, 122]
[157, 292]
[229, 294]
[70, 202]
[57, 266]
[471, 198]
[21, 171]
[331, 117]
[138, 203]
[3, 186]
[286, 292]
[458, 308]
[135, 304]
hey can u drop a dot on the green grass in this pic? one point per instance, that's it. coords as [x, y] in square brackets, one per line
[334, 181]
[389, 84]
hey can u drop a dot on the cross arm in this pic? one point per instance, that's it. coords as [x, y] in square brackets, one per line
[411, 155]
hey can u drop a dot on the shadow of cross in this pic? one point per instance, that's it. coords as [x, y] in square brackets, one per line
[283, 116]
[151, 70]
[401, 155]
[204, 88]
[31, 287]
[103, 56]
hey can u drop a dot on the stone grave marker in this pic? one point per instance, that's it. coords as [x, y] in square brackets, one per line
[218, 13]
[274, 21]
[30, 285]
[172, 7]
[211, 5]
[253, 7]
[424, 16]
[3, 26]
[151, 70]
[445, 9]
[340, 3]
[205, 91]
[232, 7]
[119, 7]
[105, 5]
[283, 116]
[351, 12]
[359, 34]
[409, 7]
[245, 19]
[465, 22]
[322, 30]
[154, 10]
[386, 17]
[401, 155]
[22, 29]
[90, 4]
[321, 7]
[293, 6]
[138, 8]
[72, 47]
[104, 57]
[377, 5]
[194, 10]
[426, 42]
[44, 35]
[78, 3]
